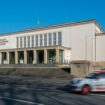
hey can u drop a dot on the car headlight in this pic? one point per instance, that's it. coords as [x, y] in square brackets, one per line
[75, 82]
[78, 81]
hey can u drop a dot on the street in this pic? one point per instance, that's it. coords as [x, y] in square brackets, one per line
[23, 91]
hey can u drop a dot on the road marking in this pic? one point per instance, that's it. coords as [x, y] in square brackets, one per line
[22, 101]
[102, 95]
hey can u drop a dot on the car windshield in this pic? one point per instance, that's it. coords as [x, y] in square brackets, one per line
[92, 75]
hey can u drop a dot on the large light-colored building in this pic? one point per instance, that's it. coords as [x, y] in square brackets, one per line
[62, 43]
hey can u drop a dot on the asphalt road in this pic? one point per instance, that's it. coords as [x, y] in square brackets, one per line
[23, 91]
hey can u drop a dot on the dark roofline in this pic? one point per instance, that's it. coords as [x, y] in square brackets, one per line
[100, 34]
[99, 26]
[55, 26]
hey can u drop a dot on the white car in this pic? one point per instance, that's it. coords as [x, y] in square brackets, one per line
[93, 82]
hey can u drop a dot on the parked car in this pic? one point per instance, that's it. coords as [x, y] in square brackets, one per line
[93, 82]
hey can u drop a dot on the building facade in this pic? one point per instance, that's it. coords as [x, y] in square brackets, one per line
[56, 44]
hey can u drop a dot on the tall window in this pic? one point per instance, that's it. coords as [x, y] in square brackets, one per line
[45, 39]
[41, 40]
[32, 40]
[20, 42]
[28, 41]
[50, 39]
[54, 38]
[59, 38]
[36, 40]
[24, 41]
[17, 44]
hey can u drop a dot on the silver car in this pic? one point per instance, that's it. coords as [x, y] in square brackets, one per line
[93, 82]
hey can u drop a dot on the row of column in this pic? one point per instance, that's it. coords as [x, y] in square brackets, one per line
[34, 56]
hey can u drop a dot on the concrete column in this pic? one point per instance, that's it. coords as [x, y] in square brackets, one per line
[57, 55]
[57, 38]
[0, 58]
[45, 56]
[7, 57]
[25, 56]
[16, 57]
[34, 59]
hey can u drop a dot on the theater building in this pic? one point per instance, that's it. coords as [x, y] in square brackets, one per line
[55, 44]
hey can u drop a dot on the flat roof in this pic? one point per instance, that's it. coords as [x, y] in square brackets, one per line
[55, 26]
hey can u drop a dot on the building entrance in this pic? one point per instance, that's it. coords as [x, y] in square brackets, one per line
[12, 57]
[51, 56]
[20, 57]
[40, 56]
[4, 57]
[30, 57]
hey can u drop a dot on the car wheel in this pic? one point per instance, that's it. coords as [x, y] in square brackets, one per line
[85, 89]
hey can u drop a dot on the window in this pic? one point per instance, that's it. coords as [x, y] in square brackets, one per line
[32, 40]
[45, 39]
[59, 38]
[36, 40]
[50, 39]
[20, 42]
[101, 75]
[41, 40]
[54, 38]
[17, 44]
[28, 41]
[92, 75]
[24, 41]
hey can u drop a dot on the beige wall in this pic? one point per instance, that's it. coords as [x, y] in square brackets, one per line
[100, 47]
[81, 42]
